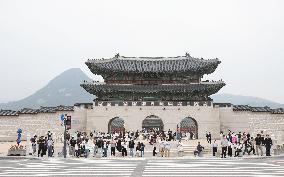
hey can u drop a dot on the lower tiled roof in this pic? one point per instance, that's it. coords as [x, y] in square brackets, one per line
[36, 111]
[8, 113]
[257, 109]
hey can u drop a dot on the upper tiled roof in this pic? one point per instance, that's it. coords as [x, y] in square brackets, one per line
[177, 65]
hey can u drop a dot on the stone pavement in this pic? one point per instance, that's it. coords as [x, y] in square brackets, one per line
[143, 167]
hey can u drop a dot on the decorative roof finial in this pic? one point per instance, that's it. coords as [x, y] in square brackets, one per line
[117, 55]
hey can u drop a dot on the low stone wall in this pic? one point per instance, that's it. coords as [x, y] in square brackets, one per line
[253, 122]
[33, 124]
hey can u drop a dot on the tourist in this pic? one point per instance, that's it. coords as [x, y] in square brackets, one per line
[224, 145]
[131, 148]
[167, 149]
[142, 149]
[247, 146]
[118, 145]
[33, 141]
[138, 149]
[40, 146]
[105, 147]
[239, 135]
[95, 147]
[230, 149]
[187, 134]
[112, 147]
[49, 134]
[72, 146]
[161, 147]
[215, 148]
[209, 138]
[124, 149]
[100, 143]
[45, 146]
[239, 149]
[180, 148]
[258, 145]
[154, 151]
[252, 146]
[199, 149]
[234, 139]
[49, 146]
[268, 144]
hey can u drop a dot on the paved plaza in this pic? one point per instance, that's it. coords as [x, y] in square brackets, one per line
[143, 167]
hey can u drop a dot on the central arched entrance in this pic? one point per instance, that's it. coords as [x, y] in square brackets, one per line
[116, 124]
[153, 122]
[189, 124]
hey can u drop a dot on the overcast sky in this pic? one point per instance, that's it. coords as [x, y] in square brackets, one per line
[41, 39]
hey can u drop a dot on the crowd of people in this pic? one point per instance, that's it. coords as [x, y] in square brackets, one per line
[241, 144]
[43, 145]
[122, 144]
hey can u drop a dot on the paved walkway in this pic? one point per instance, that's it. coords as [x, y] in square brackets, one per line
[143, 167]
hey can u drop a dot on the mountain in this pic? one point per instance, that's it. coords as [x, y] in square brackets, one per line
[64, 89]
[245, 100]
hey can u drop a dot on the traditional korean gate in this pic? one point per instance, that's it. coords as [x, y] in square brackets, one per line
[116, 125]
[153, 122]
[189, 124]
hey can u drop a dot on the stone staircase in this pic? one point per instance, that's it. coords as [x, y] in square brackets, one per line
[189, 149]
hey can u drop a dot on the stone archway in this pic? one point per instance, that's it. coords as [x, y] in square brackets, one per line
[153, 122]
[116, 124]
[189, 124]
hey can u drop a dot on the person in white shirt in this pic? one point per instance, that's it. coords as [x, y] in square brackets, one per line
[167, 148]
[49, 146]
[215, 148]
[180, 148]
[239, 148]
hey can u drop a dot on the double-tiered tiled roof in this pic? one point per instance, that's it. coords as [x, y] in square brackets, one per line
[165, 78]
[210, 87]
[168, 65]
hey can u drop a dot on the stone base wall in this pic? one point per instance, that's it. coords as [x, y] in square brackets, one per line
[207, 117]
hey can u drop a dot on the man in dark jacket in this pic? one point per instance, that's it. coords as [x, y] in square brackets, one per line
[41, 143]
[72, 146]
[131, 147]
[268, 144]
[258, 144]
[199, 149]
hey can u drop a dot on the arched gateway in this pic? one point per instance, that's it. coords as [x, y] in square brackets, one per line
[153, 122]
[116, 124]
[189, 124]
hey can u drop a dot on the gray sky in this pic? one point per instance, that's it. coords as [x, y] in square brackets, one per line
[41, 39]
